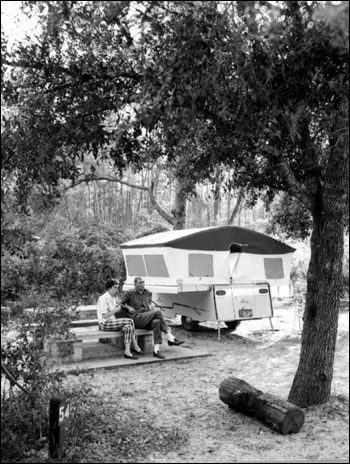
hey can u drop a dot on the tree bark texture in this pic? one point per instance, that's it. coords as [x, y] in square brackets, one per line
[313, 379]
[282, 416]
[179, 210]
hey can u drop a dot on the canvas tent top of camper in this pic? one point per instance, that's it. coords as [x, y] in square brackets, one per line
[197, 259]
[213, 239]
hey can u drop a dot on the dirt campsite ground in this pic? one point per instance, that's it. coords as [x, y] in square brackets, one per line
[171, 412]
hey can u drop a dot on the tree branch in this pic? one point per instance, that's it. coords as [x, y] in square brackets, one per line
[296, 188]
[73, 72]
[36, 65]
[13, 380]
[124, 182]
[156, 205]
[238, 205]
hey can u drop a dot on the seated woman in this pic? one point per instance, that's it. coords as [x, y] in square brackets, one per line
[106, 307]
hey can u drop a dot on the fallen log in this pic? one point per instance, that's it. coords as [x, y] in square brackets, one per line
[282, 416]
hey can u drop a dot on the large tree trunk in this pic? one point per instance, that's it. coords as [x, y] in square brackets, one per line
[313, 379]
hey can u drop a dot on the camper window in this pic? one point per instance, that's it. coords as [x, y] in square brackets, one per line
[135, 265]
[156, 266]
[200, 265]
[273, 268]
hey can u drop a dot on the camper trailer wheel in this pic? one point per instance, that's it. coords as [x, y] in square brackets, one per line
[188, 323]
[232, 324]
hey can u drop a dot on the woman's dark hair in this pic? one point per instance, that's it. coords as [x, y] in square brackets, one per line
[110, 283]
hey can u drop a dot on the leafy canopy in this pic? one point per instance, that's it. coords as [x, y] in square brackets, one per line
[265, 87]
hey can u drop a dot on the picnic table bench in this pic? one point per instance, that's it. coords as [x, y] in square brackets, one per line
[143, 337]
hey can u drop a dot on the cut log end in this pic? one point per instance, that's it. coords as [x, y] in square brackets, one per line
[293, 421]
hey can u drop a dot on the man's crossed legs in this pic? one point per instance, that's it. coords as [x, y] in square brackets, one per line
[154, 320]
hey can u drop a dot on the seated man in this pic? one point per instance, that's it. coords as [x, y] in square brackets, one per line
[138, 302]
[106, 307]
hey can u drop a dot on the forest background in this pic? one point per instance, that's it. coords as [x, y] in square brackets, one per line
[74, 246]
[121, 119]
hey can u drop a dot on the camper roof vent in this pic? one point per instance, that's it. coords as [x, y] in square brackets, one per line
[237, 247]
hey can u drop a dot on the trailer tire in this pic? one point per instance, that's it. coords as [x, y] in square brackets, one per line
[232, 324]
[188, 323]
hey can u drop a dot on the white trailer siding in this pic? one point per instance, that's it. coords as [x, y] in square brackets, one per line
[216, 273]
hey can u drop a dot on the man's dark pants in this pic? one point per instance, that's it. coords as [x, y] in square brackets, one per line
[151, 320]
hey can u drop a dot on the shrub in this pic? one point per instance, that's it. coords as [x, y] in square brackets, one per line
[76, 264]
[27, 381]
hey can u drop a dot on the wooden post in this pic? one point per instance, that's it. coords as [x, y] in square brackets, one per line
[6, 310]
[59, 411]
[282, 416]
[145, 342]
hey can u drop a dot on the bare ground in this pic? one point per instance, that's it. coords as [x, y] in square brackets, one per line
[171, 412]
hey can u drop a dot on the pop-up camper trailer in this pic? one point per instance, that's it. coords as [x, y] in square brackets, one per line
[216, 273]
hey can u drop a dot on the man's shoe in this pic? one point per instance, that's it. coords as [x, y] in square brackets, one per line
[130, 357]
[175, 343]
[158, 355]
[142, 353]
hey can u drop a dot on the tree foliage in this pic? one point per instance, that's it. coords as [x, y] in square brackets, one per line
[99, 72]
[199, 68]
[290, 217]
